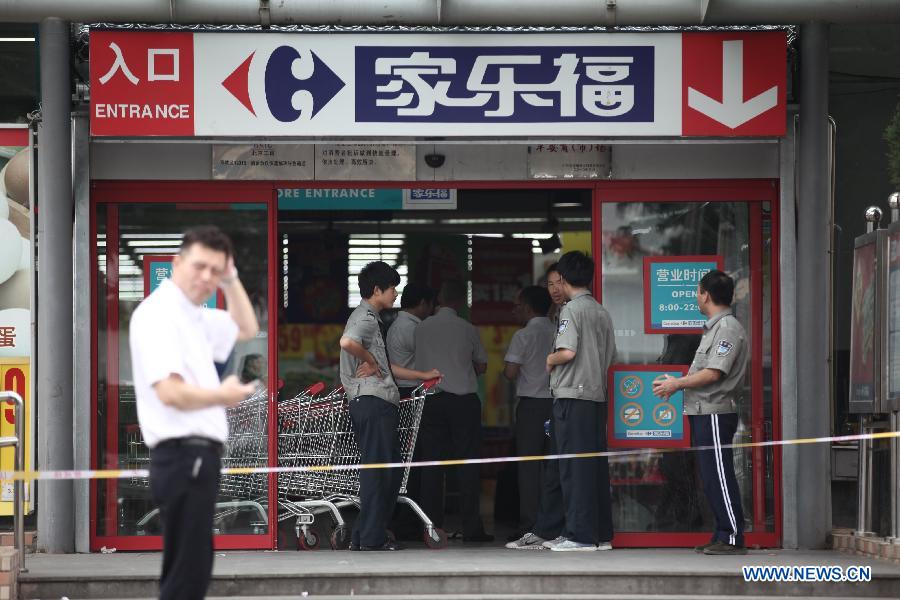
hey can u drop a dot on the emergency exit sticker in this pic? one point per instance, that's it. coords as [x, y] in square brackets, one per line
[670, 292]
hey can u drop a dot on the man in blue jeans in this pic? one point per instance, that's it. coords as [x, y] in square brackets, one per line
[368, 379]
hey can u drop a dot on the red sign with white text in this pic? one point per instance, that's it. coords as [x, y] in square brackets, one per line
[733, 84]
[143, 84]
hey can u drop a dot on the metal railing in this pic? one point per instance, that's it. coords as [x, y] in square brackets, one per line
[18, 441]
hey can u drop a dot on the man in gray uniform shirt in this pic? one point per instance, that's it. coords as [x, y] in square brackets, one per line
[368, 379]
[416, 304]
[585, 347]
[711, 389]
[451, 419]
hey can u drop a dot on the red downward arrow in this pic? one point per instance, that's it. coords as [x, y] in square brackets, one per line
[238, 83]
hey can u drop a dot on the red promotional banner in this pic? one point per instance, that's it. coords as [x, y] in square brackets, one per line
[500, 268]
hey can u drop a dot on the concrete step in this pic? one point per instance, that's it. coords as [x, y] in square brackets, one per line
[517, 597]
[458, 572]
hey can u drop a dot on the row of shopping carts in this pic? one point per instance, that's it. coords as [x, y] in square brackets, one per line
[315, 437]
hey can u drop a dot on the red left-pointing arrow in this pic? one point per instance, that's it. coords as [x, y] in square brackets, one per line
[238, 83]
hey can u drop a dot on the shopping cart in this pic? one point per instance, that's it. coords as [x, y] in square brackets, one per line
[318, 432]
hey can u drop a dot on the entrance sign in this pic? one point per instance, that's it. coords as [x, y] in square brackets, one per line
[391, 85]
[637, 418]
[340, 199]
[670, 292]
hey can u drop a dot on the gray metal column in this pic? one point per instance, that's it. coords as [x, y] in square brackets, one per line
[56, 520]
[813, 410]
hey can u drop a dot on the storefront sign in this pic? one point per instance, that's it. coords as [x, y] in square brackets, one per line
[159, 268]
[16, 283]
[263, 161]
[670, 292]
[429, 199]
[862, 327]
[161, 83]
[366, 162]
[636, 416]
[568, 161]
[340, 199]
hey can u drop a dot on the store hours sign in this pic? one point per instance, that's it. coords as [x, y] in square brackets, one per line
[181, 83]
[670, 292]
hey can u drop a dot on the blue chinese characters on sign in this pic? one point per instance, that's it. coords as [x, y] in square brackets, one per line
[515, 84]
[670, 293]
[639, 415]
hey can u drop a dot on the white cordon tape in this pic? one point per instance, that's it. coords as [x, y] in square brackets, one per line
[614, 455]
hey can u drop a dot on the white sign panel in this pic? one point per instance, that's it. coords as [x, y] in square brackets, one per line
[568, 161]
[365, 162]
[263, 161]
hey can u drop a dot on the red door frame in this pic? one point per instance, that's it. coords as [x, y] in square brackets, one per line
[753, 191]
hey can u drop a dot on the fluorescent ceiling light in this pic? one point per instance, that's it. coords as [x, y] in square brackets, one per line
[13, 39]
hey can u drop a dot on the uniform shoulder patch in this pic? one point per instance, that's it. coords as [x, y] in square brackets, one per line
[724, 348]
[562, 326]
[371, 314]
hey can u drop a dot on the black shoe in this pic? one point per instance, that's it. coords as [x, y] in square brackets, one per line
[388, 546]
[723, 549]
[478, 538]
[701, 548]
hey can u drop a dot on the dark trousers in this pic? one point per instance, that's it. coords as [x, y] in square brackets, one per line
[581, 427]
[717, 474]
[184, 482]
[551, 518]
[375, 423]
[531, 414]
[451, 428]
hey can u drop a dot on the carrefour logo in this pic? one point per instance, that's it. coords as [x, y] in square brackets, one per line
[298, 84]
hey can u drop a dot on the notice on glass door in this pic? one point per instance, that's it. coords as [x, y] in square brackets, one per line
[637, 418]
[670, 292]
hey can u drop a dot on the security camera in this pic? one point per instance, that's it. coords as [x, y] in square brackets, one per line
[434, 160]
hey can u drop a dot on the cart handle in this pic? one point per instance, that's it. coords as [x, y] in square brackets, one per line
[430, 383]
[315, 389]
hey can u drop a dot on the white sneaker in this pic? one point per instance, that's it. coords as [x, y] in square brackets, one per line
[551, 543]
[573, 546]
[529, 541]
[604, 546]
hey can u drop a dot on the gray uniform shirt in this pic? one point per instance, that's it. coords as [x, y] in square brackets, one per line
[450, 344]
[363, 327]
[585, 328]
[401, 344]
[723, 347]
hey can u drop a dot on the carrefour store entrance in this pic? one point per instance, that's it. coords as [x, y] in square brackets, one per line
[299, 252]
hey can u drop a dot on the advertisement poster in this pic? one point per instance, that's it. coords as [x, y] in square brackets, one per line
[893, 320]
[670, 292]
[15, 292]
[639, 419]
[500, 268]
[862, 327]
[159, 268]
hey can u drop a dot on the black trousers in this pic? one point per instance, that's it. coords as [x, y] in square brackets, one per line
[531, 414]
[551, 518]
[581, 427]
[451, 428]
[717, 474]
[375, 423]
[184, 482]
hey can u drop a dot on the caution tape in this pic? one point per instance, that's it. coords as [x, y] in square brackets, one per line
[614, 455]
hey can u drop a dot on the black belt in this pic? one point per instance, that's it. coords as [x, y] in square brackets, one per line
[195, 441]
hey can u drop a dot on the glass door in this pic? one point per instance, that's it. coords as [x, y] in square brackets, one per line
[653, 238]
[135, 236]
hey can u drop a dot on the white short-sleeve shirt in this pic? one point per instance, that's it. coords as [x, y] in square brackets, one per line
[450, 344]
[169, 334]
[529, 348]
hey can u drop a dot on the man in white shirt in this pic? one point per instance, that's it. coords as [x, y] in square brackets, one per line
[525, 364]
[451, 419]
[416, 304]
[181, 402]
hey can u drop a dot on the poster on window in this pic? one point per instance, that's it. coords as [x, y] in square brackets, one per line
[670, 292]
[637, 418]
[862, 330]
[158, 268]
[16, 274]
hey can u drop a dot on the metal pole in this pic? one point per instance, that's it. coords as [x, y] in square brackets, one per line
[814, 479]
[19, 485]
[56, 520]
[864, 484]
